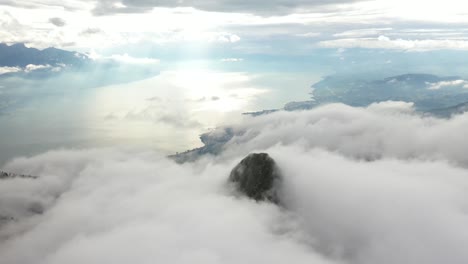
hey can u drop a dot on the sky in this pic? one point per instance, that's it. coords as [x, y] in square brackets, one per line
[310, 37]
[241, 27]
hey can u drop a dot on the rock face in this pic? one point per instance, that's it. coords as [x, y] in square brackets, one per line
[258, 177]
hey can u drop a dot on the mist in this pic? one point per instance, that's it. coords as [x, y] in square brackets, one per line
[381, 184]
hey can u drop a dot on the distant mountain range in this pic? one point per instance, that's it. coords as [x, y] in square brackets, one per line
[450, 111]
[17, 60]
[425, 90]
[18, 55]
[440, 96]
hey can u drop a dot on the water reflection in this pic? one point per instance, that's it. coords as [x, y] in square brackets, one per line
[166, 112]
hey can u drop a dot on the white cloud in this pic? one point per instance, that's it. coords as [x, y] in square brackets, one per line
[30, 68]
[34, 67]
[232, 59]
[443, 84]
[4, 70]
[273, 7]
[55, 4]
[392, 107]
[226, 37]
[383, 130]
[361, 32]
[383, 42]
[408, 205]
[125, 58]
[140, 23]
[103, 210]
[84, 31]
[309, 34]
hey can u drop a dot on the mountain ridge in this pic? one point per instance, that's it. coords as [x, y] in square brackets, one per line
[19, 55]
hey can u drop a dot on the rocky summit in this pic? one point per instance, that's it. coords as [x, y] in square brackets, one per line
[258, 177]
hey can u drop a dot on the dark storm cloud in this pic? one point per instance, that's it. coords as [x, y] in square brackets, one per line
[274, 7]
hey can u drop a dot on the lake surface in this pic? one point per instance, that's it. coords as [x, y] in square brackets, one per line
[166, 112]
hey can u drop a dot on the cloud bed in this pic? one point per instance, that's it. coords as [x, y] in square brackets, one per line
[382, 130]
[407, 205]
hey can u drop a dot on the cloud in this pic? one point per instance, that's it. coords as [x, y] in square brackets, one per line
[407, 205]
[57, 21]
[4, 70]
[91, 31]
[165, 234]
[382, 130]
[362, 32]
[383, 42]
[30, 68]
[232, 59]
[13, 31]
[272, 27]
[443, 84]
[35, 4]
[381, 212]
[309, 34]
[392, 107]
[227, 38]
[34, 67]
[125, 58]
[275, 7]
